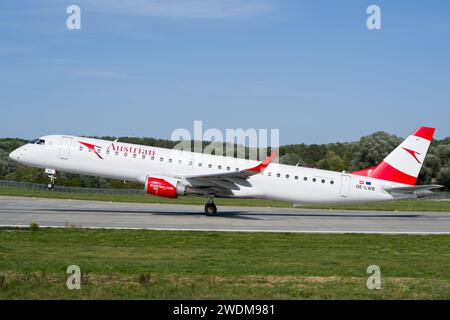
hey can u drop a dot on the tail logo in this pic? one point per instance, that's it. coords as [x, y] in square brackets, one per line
[413, 153]
[92, 147]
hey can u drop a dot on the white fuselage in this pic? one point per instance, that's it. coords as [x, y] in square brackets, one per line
[129, 162]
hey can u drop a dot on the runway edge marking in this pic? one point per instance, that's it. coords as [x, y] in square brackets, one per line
[243, 230]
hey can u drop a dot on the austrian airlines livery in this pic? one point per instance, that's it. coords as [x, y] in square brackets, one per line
[172, 173]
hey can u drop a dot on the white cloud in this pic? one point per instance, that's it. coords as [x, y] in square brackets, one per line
[193, 9]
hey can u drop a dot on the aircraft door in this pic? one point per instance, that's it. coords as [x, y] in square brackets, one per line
[345, 185]
[64, 149]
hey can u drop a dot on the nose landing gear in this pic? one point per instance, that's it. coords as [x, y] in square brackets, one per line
[52, 176]
[51, 184]
[210, 207]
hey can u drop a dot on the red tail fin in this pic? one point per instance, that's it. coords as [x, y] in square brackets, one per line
[404, 163]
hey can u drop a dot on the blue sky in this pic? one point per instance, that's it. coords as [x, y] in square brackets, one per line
[309, 68]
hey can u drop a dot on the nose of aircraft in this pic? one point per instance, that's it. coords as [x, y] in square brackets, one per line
[15, 155]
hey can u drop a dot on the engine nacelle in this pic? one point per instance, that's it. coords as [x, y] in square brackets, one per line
[167, 187]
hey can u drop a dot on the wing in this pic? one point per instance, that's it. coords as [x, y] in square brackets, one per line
[222, 184]
[419, 191]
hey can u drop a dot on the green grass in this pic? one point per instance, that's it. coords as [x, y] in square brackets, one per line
[125, 264]
[405, 205]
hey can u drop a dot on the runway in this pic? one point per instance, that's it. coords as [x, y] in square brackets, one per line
[17, 211]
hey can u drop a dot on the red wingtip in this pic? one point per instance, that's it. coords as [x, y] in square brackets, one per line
[263, 165]
[425, 132]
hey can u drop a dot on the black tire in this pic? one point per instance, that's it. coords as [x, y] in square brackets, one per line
[50, 186]
[210, 209]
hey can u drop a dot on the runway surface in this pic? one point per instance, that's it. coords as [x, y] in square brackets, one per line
[16, 211]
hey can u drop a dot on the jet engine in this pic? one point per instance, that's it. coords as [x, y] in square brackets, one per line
[165, 187]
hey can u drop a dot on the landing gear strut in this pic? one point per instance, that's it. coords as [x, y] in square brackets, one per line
[210, 207]
[51, 184]
[51, 175]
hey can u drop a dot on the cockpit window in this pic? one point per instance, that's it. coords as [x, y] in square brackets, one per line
[38, 141]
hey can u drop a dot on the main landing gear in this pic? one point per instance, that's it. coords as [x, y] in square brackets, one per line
[52, 176]
[210, 208]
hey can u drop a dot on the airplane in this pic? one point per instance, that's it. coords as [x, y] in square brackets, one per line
[172, 173]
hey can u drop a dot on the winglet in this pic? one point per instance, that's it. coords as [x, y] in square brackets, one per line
[263, 165]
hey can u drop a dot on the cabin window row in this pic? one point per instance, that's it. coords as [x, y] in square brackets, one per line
[287, 176]
[161, 159]
[200, 164]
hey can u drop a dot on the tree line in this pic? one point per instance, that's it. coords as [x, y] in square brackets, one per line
[350, 156]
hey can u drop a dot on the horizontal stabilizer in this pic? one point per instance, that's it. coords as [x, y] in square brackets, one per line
[419, 191]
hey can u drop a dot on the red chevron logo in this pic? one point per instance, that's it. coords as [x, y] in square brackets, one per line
[92, 147]
[413, 153]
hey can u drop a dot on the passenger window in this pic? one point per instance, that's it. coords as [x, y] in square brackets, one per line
[219, 167]
[81, 148]
[134, 155]
[287, 176]
[323, 181]
[331, 182]
[269, 174]
[237, 169]
[170, 160]
[314, 179]
[117, 153]
[200, 164]
[305, 179]
[228, 168]
[179, 162]
[278, 175]
[143, 156]
[125, 154]
[161, 159]
[209, 165]
[107, 151]
[296, 178]
[153, 158]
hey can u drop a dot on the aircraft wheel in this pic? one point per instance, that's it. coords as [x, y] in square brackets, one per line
[50, 186]
[210, 209]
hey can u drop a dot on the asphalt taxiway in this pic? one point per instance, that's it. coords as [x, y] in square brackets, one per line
[18, 211]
